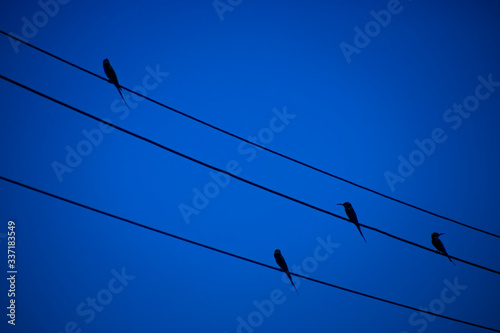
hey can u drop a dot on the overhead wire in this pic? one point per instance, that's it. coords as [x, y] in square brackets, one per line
[230, 174]
[255, 144]
[227, 253]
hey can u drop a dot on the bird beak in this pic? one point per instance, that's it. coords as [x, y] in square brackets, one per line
[441, 234]
[340, 204]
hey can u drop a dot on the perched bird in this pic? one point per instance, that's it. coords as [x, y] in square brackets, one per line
[351, 214]
[282, 263]
[439, 245]
[110, 73]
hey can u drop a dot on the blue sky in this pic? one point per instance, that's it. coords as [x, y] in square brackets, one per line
[411, 113]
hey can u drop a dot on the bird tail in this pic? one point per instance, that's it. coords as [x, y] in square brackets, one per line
[363, 237]
[359, 228]
[451, 261]
[120, 91]
[293, 284]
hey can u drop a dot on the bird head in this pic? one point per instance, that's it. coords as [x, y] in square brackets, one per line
[106, 61]
[277, 251]
[436, 235]
[346, 205]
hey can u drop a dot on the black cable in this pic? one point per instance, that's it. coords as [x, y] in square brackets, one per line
[232, 175]
[238, 256]
[256, 144]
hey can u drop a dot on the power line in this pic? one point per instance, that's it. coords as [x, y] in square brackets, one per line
[256, 144]
[238, 256]
[232, 175]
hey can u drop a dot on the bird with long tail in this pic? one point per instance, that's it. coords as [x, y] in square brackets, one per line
[351, 214]
[438, 244]
[282, 263]
[111, 74]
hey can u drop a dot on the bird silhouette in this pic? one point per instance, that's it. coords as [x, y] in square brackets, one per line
[282, 263]
[351, 214]
[111, 74]
[439, 245]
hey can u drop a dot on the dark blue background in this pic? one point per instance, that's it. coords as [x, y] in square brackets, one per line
[354, 116]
